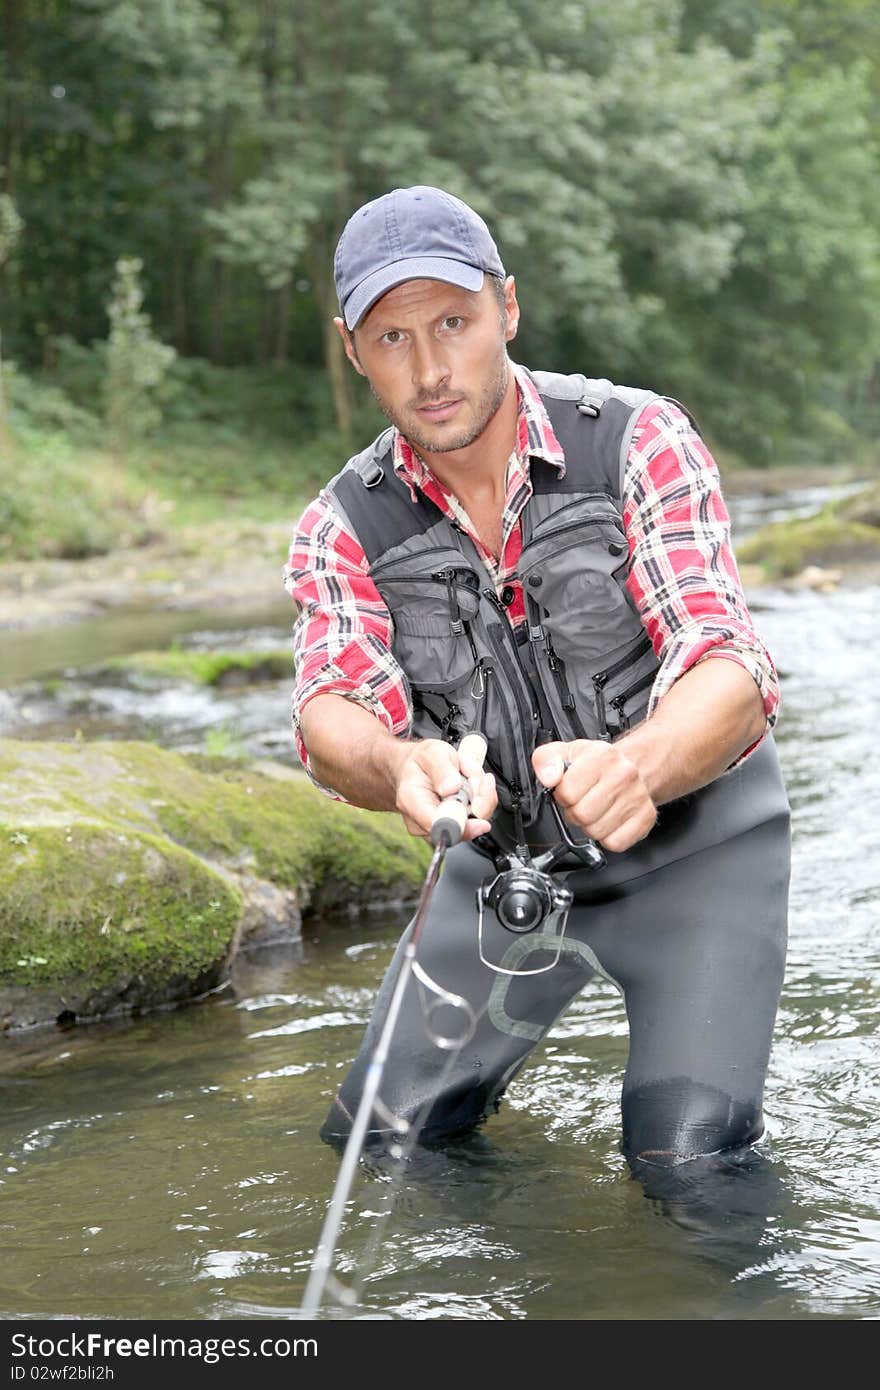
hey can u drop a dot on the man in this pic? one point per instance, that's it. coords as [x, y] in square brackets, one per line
[546, 559]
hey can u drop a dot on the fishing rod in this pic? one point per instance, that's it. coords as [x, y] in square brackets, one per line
[447, 828]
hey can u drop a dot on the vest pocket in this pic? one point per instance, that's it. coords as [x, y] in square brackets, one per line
[431, 611]
[575, 575]
[622, 687]
[595, 657]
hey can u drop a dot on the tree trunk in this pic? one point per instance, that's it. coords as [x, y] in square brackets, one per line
[6, 440]
[178, 297]
[265, 350]
[13, 29]
[282, 327]
[319, 260]
[340, 382]
[219, 305]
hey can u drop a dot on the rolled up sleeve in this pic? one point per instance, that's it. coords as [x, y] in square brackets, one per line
[683, 576]
[343, 630]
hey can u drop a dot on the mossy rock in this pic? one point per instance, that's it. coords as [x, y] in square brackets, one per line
[213, 668]
[832, 537]
[863, 508]
[125, 869]
[94, 921]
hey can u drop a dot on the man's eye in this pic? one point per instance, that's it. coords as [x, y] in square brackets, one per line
[453, 321]
[392, 336]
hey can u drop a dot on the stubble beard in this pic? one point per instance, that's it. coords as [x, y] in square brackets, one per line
[485, 407]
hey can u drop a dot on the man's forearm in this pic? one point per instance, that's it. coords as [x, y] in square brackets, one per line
[352, 752]
[713, 713]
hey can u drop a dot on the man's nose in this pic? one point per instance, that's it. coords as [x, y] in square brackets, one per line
[430, 368]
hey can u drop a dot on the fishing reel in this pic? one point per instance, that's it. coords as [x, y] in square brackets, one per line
[524, 895]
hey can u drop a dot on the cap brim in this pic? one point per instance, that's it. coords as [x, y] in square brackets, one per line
[467, 277]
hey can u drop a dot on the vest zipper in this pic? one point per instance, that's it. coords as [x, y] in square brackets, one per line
[526, 715]
[501, 644]
[561, 530]
[452, 713]
[557, 667]
[614, 513]
[601, 678]
[620, 700]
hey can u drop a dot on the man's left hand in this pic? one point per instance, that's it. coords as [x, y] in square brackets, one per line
[599, 789]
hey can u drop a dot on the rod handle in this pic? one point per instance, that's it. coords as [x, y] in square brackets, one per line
[451, 815]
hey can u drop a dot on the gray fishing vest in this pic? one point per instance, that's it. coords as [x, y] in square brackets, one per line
[582, 666]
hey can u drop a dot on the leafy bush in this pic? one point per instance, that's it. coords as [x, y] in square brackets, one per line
[39, 404]
[74, 503]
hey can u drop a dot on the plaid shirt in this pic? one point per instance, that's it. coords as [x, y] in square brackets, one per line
[683, 576]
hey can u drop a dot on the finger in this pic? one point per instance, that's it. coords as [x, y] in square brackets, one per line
[597, 807]
[439, 762]
[472, 755]
[598, 766]
[415, 827]
[629, 833]
[417, 800]
[578, 781]
[474, 827]
[615, 798]
[549, 762]
[485, 798]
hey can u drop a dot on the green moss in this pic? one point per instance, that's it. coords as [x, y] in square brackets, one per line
[207, 667]
[864, 507]
[293, 834]
[118, 862]
[280, 827]
[86, 901]
[786, 548]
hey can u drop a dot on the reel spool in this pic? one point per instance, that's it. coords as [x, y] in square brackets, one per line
[522, 898]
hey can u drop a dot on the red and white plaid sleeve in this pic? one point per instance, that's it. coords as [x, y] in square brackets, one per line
[342, 635]
[683, 575]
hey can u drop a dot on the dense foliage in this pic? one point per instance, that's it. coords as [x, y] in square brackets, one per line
[687, 192]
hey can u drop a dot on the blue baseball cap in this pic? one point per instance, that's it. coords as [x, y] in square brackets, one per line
[418, 233]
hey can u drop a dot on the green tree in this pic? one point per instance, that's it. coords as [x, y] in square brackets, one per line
[136, 362]
[684, 191]
[531, 118]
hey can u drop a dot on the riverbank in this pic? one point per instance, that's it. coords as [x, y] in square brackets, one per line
[235, 564]
[838, 542]
[230, 565]
[132, 876]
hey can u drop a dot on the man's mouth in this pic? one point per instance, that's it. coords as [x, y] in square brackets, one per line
[439, 410]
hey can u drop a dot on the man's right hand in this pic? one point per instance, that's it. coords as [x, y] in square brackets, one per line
[350, 751]
[431, 770]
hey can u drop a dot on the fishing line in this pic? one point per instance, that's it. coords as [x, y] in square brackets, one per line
[447, 828]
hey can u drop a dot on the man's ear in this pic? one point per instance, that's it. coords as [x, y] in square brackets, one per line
[511, 309]
[348, 344]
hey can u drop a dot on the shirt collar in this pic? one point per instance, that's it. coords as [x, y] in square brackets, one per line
[534, 438]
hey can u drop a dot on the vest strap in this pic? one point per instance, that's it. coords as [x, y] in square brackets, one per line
[591, 402]
[368, 463]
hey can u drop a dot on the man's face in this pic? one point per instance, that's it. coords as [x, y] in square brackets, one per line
[436, 359]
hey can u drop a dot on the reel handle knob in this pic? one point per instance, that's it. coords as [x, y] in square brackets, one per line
[451, 815]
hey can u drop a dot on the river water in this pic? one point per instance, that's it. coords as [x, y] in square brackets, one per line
[169, 1166]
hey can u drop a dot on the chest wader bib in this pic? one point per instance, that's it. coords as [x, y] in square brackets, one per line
[690, 923]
